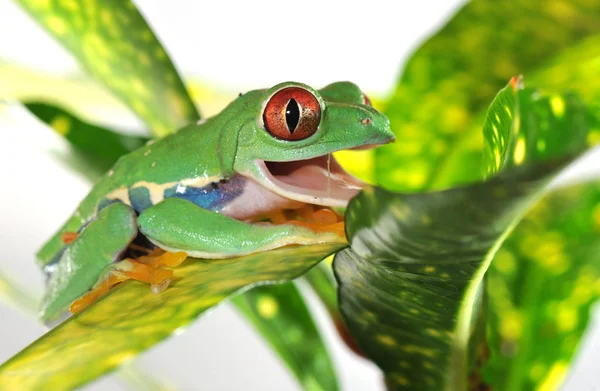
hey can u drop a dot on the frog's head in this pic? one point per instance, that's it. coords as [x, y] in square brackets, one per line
[286, 147]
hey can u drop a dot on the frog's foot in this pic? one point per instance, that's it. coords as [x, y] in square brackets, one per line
[69, 237]
[148, 268]
[89, 298]
[319, 220]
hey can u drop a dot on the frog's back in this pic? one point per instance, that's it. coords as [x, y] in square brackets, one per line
[140, 179]
[194, 156]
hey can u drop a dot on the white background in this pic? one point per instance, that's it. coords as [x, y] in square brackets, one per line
[238, 45]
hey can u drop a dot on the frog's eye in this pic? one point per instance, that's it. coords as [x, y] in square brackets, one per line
[292, 114]
[366, 100]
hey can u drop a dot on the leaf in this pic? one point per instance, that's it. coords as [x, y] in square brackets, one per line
[523, 125]
[279, 313]
[541, 287]
[411, 283]
[100, 146]
[454, 75]
[133, 319]
[113, 42]
[16, 297]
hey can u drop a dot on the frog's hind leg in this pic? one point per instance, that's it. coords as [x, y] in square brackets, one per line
[149, 268]
[89, 255]
[180, 225]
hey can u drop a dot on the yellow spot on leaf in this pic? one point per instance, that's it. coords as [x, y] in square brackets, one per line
[519, 154]
[386, 340]
[434, 332]
[427, 352]
[71, 5]
[401, 380]
[139, 87]
[557, 104]
[56, 25]
[400, 211]
[107, 18]
[593, 137]
[426, 220]
[40, 3]
[567, 318]
[178, 103]
[267, 307]
[61, 125]
[429, 269]
[541, 145]
[454, 118]
[596, 216]
[537, 371]
[554, 378]
[410, 148]
[504, 262]
[511, 324]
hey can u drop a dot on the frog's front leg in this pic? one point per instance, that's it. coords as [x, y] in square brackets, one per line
[179, 225]
[90, 254]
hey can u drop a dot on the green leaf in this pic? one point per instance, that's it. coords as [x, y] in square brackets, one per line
[411, 283]
[100, 146]
[523, 125]
[133, 319]
[113, 42]
[454, 75]
[541, 287]
[281, 316]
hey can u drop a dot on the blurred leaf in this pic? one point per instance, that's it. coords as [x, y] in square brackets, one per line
[541, 287]
[411, 283]
[453, 76]
[100, 146]
[279, 313]
[16, 297]
[321, 280]
[113, 42]
[86, 96]
[133, 319]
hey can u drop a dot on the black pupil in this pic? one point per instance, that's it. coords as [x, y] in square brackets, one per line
[292, 115]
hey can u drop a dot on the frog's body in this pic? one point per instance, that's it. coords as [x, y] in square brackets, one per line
[202, 189]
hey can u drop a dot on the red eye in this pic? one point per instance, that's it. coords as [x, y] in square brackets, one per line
[292, 114]
[366, 100]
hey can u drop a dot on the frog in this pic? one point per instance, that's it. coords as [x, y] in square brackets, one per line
[257, 176]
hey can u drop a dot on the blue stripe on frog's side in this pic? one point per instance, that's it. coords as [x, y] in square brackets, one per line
[212, 197]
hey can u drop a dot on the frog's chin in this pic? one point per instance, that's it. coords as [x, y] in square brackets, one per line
[318, 181]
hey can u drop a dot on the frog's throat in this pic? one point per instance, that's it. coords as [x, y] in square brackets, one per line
[318, 181]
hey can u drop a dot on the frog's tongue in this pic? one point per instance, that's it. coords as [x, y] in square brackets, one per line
[319, 181]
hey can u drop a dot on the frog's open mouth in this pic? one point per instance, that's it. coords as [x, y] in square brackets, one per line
[318, 181]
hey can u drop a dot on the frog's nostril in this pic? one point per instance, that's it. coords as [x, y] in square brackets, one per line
[366, 121]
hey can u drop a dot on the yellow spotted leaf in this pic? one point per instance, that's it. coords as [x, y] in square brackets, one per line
[131, 319]
[280, 314]
[113, 42]
[411, 284]
[541, 287]
[436, 108]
